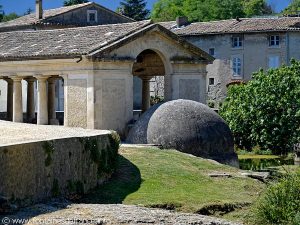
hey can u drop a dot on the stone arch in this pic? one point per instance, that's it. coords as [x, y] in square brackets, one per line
[149, 64]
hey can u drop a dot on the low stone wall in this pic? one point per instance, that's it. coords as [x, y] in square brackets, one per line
[32, 172]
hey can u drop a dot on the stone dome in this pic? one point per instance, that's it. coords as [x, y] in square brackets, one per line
[187, 126]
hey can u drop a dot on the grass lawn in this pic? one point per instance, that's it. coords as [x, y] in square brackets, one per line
[258, 156]
[170, 179]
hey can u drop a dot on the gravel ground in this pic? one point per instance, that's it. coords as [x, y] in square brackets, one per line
[17, 133]
[108, 215]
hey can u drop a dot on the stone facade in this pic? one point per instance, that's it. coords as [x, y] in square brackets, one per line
[254, 54]
[254, 51]
[86, 14]
[98, 88]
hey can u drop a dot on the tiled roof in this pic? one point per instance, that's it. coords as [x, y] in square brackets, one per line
[75, 42]
[236, 26]
[69, 41]
[31, 18]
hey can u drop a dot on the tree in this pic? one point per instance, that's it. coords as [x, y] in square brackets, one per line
[266, 111]
[135, 9]
[207, 10]
[74, 2]
[257, 7]
[174, 9]
[9, 17]
[293, 7]
[1, 13]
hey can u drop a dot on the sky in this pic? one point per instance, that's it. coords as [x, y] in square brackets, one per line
[20, 6]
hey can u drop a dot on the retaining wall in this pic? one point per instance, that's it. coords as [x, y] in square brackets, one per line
[32, 172]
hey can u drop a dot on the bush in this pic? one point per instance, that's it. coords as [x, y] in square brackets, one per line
[265, 112]
[280, 204]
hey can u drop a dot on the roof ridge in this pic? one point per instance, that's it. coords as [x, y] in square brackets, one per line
[145, 22]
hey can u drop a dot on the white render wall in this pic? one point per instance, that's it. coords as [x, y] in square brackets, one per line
[255, 54]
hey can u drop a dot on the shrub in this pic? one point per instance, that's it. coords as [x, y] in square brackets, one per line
[280, 204]
[265, 112]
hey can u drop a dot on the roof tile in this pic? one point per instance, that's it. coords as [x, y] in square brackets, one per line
[236, 26]
[70, 41]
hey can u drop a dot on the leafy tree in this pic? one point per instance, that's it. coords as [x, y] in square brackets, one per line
[266, 111]
[9, 17]
[207, 10]
[5, 18]
[74, 2]
[294, 6]
[257, 7]
[135, 9]
[166, 10]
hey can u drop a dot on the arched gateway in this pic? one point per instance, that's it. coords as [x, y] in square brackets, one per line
[98, 65]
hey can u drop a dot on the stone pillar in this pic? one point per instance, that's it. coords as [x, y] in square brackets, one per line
[10, 97]
[42, 101]
[51, 102]
[30, 99]
[17, 100]
[145, 94]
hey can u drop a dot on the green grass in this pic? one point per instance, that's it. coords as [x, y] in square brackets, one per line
[170, 179]
[258, 156]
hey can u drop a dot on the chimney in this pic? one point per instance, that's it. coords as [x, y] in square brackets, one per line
[182, 21]
[39, 9]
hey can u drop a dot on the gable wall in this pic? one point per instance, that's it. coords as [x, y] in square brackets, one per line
[79, 17]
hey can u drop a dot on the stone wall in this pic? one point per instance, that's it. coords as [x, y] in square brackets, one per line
[78, 17]
[254, 55]
[33, 172]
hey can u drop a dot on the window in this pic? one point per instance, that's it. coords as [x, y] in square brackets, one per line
[274, 61]
[237, 66]
[211, 81]
[274, 40]
[211, 51]
[237, 41]
[92, 16]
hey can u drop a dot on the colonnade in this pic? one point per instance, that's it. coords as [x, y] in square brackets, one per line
[46, 110]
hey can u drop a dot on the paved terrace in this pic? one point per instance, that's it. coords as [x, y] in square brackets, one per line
[18, 133]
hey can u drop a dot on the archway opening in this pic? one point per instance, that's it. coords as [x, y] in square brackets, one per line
[148, 83]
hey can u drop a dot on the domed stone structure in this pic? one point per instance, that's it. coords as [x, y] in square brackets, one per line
[187, 126]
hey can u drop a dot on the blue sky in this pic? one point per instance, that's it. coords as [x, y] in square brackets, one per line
[20, 6]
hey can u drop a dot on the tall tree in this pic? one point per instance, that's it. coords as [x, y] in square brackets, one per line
[293, 7]
[1, 13]
[257, 8]
[9, 17]
[166, 10]
[74, 2]
[135, 9]
[207, 10]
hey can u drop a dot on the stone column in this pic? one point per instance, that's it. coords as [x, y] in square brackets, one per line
[51, 102]
[42, 101]
[145, 94]
[17, 100]
[10, 97]
[30, 99]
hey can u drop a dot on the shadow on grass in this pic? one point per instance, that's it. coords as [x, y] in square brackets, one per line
[126, 180]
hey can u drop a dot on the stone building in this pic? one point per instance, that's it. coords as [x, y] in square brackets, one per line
[86, 14]
[97, 64]
[241, 47]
